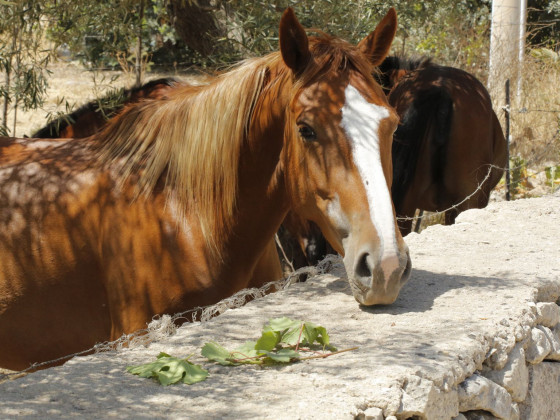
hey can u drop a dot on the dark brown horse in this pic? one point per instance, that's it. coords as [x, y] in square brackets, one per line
[394, 68]
[91, 117]
[448, 152]
[449, 144]
[175, 203]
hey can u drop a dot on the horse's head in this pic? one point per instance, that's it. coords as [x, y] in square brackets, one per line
[338, 154]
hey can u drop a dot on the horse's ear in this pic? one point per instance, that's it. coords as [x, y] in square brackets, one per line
[377, 44]
[294, 44]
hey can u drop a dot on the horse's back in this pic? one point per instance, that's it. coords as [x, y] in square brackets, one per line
[476, 150]
[12, 151]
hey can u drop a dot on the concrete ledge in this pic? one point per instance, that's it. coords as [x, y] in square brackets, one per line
[473, 335]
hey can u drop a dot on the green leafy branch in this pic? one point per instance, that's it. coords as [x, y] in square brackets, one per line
[169, 370]
[283, 340]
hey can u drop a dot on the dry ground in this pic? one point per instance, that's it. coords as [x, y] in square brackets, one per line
[71, 83]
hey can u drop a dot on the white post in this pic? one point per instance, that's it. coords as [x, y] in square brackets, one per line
[507, 44]
[522, 24]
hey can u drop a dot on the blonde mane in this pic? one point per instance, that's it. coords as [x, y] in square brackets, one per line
[195, 135]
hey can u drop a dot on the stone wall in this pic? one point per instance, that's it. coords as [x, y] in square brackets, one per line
[521, 381]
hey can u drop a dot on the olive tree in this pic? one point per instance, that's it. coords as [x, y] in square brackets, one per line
[23, 62]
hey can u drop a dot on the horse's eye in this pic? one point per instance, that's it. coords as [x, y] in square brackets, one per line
[307, 133]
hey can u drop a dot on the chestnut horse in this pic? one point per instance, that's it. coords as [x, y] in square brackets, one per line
[448, 146]
[175, 203]
[91, 117]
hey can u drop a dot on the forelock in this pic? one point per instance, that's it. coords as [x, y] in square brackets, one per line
[334, 56]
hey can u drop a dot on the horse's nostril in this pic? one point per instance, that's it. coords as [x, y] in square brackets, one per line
[363, 267]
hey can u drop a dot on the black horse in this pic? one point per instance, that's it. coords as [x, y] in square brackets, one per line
[91, 117]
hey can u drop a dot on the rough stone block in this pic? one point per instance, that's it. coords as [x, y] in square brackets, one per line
[548, 314]
[522, 332]
[503, 343]
[538, 346]
[514, 377]
[480, 393]
[461, 416]
[554, 339]
[386, 398]
[422, 399]
[373, 413]
[543, 401]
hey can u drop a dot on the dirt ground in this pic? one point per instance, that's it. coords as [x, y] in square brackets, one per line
[70, 83]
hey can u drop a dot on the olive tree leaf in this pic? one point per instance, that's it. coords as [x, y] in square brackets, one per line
[169, 370]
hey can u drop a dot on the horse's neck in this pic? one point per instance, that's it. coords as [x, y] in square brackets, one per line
[262, 200]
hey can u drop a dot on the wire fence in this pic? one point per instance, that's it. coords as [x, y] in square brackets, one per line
[517, 165]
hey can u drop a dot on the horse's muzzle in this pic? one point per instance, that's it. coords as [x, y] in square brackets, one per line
[375, 281]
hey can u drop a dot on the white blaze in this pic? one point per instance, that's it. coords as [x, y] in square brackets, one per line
[360, 120]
